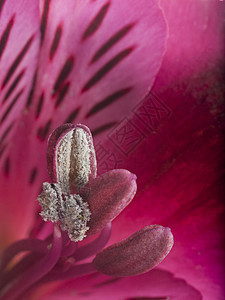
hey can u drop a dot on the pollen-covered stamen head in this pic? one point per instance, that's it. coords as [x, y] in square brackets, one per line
[75, 159]
[75, 215]
[49, 200]
[72, 212]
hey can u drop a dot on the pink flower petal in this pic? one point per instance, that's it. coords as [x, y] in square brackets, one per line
[95, 56]
[157, 284]
[19, 46]
[107, 196]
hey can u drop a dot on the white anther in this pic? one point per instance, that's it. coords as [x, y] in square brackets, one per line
[49, 201]
[72, 212]
[73, 160]
[75, 215]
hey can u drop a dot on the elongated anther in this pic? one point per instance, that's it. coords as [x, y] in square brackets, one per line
[137, 254]
[71, 157]
[107, 195]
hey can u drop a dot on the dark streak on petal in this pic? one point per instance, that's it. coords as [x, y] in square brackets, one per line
[62, 94]
[1, 4]
[5, 35]
[2, 150]
[11, 105]
[14, 85]
[44, 19]
[107, 101]
[64, 73]
[42, 132]
[33, 175]
[7, 166]
[107, 68]
[107, 282]
[111, 42]
[56, 41]
[103, 128]
[96, 22]
[17, 61]
[46, 129]
[72, 116]
[39, 106]
[30, 96]
[6, 132]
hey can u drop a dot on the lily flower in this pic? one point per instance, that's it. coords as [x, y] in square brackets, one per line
[94, 62]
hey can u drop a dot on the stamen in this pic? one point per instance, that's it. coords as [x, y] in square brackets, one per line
[20, 246]
[72, 212]
[69, 249]
[75, 157]
[49, 201]
[95, 246]
[75, 215]
[72, 272]
[63, 161]
[36, 271]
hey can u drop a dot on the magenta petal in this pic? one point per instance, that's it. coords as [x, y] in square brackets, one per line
[19, 48]
[96, 55]
[155, 285]
[19, 45]
[107, 196]
[137, 254]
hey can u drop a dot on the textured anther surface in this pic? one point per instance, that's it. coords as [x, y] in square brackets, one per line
[75, 157]
[107, 195]
[75, 215]
[137, 254]
[72, 212]
[49, 201]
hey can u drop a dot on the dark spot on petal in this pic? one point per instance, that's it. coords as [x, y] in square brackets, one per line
[103, 128]
[5, 35]
[17, 61]
[33, 175]
[1, 5]
[42, 132]
[44, 19]
[56, 41]
[2, 150]
[96, 22]
[30, 95]
[46, 130]
[107, 101]
[7, 166]
[39, 105]
[11, 106]
[72, 116]
[6, 133]
[107, 282]
[111, 42]
[14, 85]
[107, 68]
[64, 73]
[62, 94]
